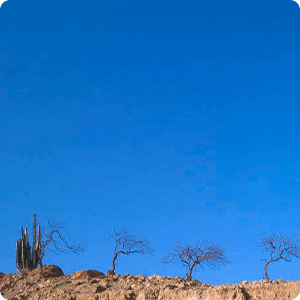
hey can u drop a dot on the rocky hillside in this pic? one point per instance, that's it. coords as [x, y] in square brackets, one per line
[94, 285]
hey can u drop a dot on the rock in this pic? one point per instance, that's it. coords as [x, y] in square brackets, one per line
[110, 273]
[156, 278]
[49, 271]
[87, 274]
[99, 289]
[141, 277]
[266, 281]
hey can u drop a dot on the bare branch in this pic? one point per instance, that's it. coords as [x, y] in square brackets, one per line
[55, 238]
[279, 247]
[203, 254]
[126, 243]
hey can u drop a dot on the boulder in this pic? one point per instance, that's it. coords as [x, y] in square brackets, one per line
[110, 273]
[87, 274]
[49, 271]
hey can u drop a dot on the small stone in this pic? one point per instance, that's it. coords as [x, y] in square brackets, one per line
[87, 274]
[99, 289]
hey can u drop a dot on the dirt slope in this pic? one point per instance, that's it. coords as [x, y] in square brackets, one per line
[94, 285]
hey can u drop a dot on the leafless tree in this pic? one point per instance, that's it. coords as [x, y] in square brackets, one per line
[203, 254]
[55, 242]
[126, 243]
[279, 247]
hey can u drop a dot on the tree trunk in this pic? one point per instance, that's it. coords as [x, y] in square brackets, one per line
[188, 276]
[266, 270]
[114, 262]
[41, 273]
[190, 273]
[267, 263]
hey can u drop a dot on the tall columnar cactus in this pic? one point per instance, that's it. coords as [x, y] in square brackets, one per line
[26, 259]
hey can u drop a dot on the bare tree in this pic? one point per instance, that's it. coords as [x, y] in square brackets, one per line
[59, 243]
[204, 254]
[126, 243]
[279, 247]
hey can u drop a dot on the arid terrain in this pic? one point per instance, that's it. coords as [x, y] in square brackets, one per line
[94, 285]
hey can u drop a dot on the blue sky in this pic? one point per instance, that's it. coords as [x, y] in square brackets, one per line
[177, 120]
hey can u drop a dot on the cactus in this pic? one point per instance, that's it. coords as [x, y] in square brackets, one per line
[27, 260]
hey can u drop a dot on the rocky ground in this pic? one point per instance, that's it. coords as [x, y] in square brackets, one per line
[94, 285]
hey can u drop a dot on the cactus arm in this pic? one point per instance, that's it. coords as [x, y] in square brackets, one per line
[34, 253]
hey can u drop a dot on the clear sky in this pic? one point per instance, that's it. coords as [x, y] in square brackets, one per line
[177, 120]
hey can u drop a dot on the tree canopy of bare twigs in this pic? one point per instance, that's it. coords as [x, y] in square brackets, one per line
[203, 254]
[59, 243]
[279, 247]
[126, 243]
